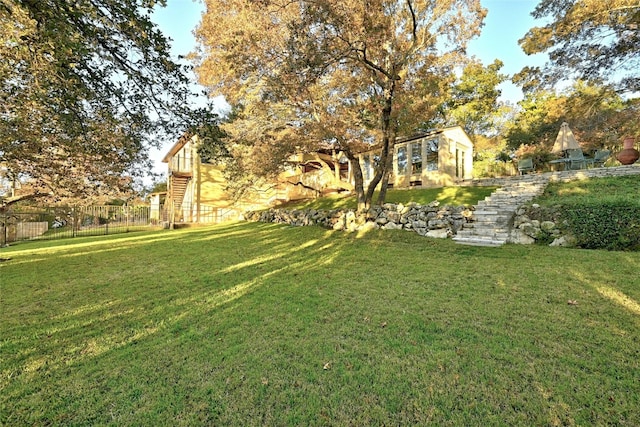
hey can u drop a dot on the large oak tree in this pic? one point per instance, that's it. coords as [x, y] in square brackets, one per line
[86, 86]
[343, 75]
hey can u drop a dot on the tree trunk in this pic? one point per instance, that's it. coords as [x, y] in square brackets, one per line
[385, 176]
[389, 128]
[358, 181]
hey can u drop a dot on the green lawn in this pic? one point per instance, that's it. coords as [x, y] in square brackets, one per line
[259, 324]
[456, 196]
[599, 190]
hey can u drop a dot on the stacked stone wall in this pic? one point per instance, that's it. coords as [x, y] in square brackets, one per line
[430, 220]
[530, 223]
[535, 224]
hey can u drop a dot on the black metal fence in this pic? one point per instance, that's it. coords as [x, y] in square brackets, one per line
[31, 223]
[196, 214]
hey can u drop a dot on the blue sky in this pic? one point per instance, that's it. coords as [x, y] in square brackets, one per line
[507, 21]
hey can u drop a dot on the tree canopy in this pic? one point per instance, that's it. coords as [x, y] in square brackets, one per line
[598, 116]
[85, 86]
[343, 75]
[473, 100]
[586, 39]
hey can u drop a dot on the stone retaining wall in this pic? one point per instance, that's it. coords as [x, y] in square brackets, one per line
[533, 223]
[429, 220]
[441, 221]
[563, 176]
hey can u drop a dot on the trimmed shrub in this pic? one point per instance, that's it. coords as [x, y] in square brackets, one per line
[611, 224]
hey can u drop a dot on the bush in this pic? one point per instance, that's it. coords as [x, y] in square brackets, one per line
[612, 225]
[491, 168]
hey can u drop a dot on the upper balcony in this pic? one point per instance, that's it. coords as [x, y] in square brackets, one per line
[181, 165]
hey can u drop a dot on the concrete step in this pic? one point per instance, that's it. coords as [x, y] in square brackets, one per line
[497, 223]
[490, 232]
[511, 196]
[492, 215]
[499, 233]
[503, 211]
[483, 213]
[495, 209]
[478, 242]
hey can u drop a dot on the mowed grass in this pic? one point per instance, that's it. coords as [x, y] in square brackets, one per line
[621, 189]
[457, 196]
[257, 324]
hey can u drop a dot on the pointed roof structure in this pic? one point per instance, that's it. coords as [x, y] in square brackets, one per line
[565, 140]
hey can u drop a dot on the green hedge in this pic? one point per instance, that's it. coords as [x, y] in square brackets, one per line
[612, 225]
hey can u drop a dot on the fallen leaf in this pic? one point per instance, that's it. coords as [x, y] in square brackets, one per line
[327, 366]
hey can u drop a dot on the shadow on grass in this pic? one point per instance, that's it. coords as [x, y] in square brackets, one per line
[186, 275]
[278, 325]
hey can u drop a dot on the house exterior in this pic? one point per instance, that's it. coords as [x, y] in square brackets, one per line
[197, 191]
[433, 158]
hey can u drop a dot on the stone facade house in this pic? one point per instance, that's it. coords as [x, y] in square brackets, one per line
[197, 191]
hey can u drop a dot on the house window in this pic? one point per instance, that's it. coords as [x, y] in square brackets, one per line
[459, 163]
[367, 167]
[402, 160]
[432, 155]
[416, 158]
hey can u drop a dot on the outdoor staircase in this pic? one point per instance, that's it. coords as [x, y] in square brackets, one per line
[493, 216]
[178, 190]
